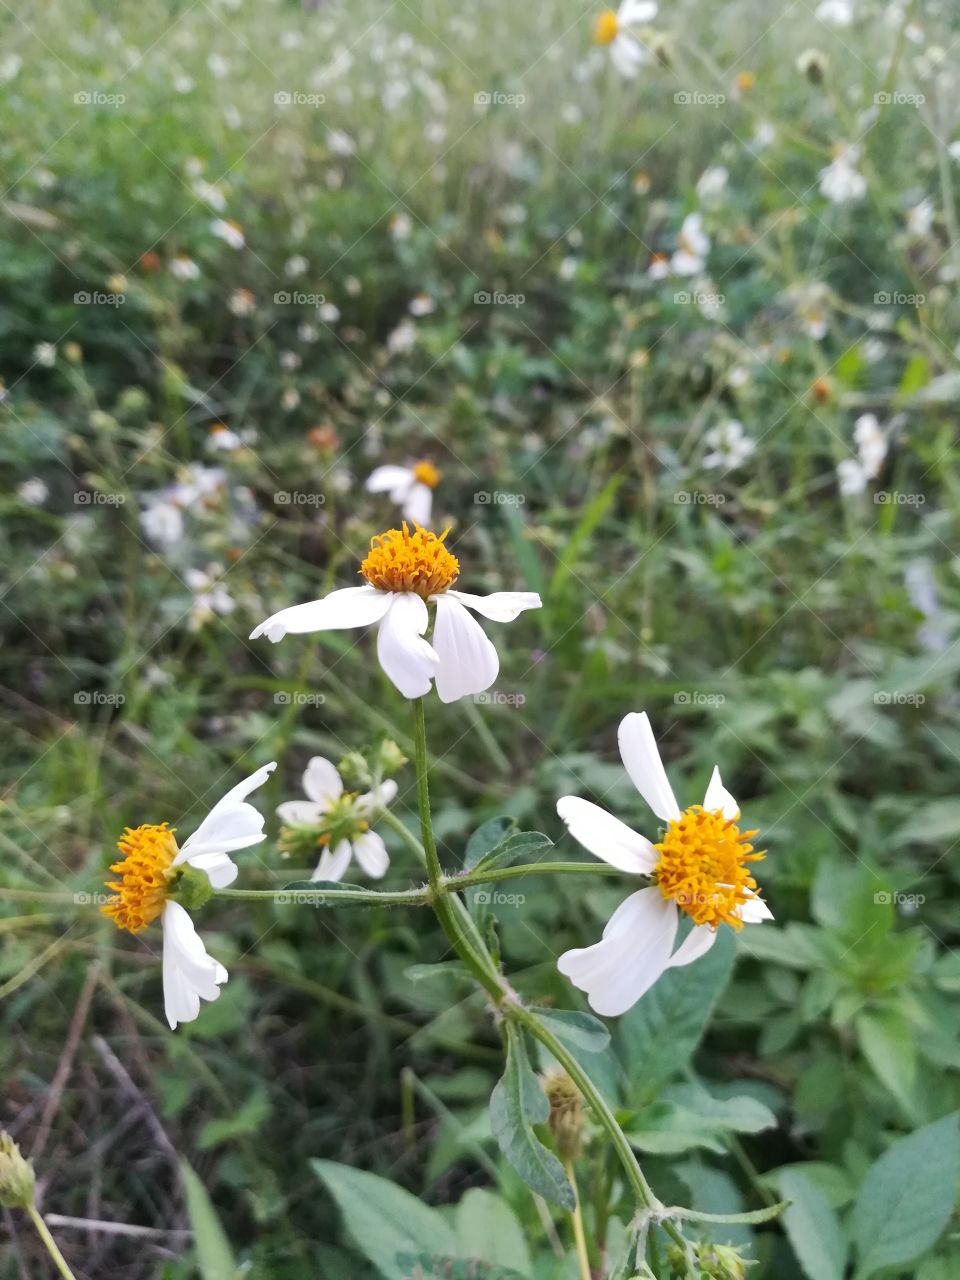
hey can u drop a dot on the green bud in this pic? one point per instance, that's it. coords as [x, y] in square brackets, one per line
[388, 758]
[16, 1175]
[355, 771]
[721, 1262]
[566, 1113]
[193, 888]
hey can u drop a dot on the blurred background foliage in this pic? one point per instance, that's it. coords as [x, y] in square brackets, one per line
[302, 213]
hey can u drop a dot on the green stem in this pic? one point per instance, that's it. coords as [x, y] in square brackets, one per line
[331, 897]
[44, 1233]
[489, 874]
[479, 964]
[596, 1101]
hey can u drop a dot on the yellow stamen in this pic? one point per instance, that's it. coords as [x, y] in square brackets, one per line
[426, 473]
[606, 28]
[146, 873]
[403, 561]
[702, 867]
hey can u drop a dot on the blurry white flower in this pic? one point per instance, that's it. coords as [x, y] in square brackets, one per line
[221, 439]
[401, 224]
[730, 446]
[10, 67]
[872, 444]
[338, 822]
[184, 267]
[153, 871]
[218, 66]
[810, 302]
[613, 28]
[230, 232]
[290, 360]
[402, 338]
[242, 302]
[841, 181]
[405, 572]
[693, 245]
[700, 867]
[920, 218]
[307, 332]
[851, 477]
[712, 182]
[290, 399]
[162, 521]
[34, 492]
[183, 84]
[45, 354]
[210, 596]
[340, 143]
[764, 136]
[210, 195]
[296, 265]
[328, 312]
[836, 13]
[659, 267]
[410, 487]
[421, 305]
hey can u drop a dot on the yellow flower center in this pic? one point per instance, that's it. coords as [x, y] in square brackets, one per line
[426, 473]
[146, 873]
[702, 867]
[403, 561]
[606, 28]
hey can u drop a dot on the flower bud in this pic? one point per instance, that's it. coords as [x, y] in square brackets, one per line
[193, 889]
[388, 758]
[354, 770]
[814, 65]
[566, 1113]
[16, 1175]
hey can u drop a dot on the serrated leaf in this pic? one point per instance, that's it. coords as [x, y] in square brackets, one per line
[812, 1227]
[907, 1197]
[383, 1219]
[515, 845]
[215, 1259]
[516, 1105]
[577, 1030]
[485, 839]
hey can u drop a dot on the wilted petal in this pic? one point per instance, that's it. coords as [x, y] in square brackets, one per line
[347, 607]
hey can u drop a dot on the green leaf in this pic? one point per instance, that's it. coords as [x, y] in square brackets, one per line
[382, 1219]
[907, 1197]
[576, 1030]
[245, 1120]
[659, 1034]
[514, 846]
[812, 1227]
[215, 1260]
[516, 1105]
[888, 1045]
[688, 1117]
[425, 1266]
[485, 839]
[488, 1230]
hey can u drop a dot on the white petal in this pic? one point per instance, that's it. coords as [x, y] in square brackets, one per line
[407, 658]
[231, 823]
[332, 865]
[696, 944]
[220, 869]
[347, 607]
[418, 505]
[499, 606]
[627, 55]
[370, 851]
[468, 661]
[384, 797]
[634, 952]
[606, 836]
[718, 797]
[636, 13]
[321, 782]
[189, 974]
[755, 911]
[385, 479]
[300, 813]
[641, 759]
